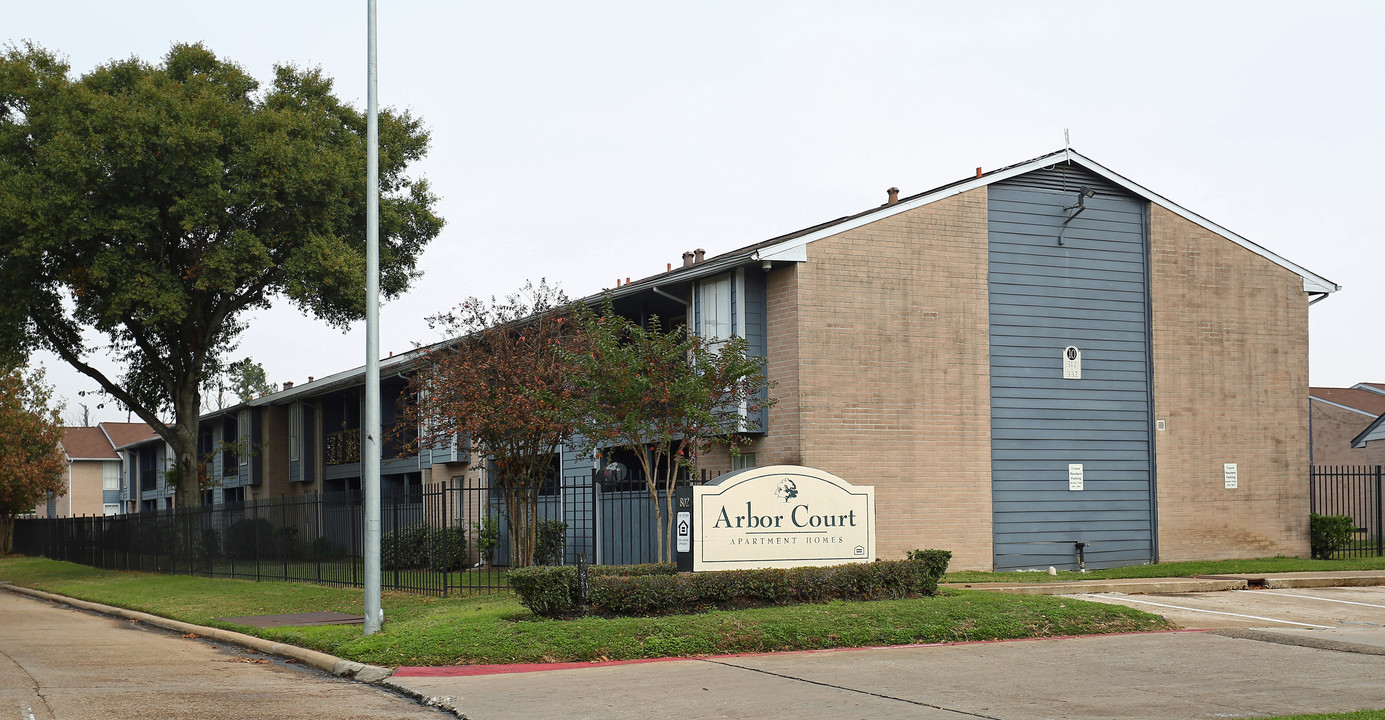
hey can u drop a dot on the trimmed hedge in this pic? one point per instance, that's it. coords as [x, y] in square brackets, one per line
[658, 588]
[1329, 533]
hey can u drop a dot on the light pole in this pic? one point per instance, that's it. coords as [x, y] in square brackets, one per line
[370, 448]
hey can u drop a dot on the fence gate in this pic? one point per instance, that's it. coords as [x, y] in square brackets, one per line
[1354, 491]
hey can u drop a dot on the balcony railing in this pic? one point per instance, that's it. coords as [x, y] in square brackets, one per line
[343, 448]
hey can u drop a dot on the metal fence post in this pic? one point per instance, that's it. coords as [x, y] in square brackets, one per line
[1379, 515]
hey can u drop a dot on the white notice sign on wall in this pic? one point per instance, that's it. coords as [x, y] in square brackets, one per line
[684, 531]
[1075, 476]
[1228, 471]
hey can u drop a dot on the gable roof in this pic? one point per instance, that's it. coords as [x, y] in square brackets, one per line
[1362, 401]
[791, 247]
[87, 443]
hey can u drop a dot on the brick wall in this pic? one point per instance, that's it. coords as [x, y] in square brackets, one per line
[1230, 347]
[880, 348]
[1333, 430]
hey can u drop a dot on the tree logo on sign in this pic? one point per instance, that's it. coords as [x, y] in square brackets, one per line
[786, 490]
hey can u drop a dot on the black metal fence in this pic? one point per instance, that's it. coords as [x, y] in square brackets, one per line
[1354, 491]
[434, 539]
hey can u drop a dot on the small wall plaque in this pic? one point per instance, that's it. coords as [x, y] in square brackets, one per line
[1072, 363]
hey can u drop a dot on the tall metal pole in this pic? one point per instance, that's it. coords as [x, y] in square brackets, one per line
[370, 448]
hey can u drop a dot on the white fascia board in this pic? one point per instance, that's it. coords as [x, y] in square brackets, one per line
[796, 253]
[1312, 282]
[1374, 433]
[1315, 398]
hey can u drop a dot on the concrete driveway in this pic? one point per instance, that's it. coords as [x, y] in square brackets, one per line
[58, 663]
[1307, 616]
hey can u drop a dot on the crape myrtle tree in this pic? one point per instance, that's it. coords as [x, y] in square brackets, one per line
[666, 395]
[503, 382]
[158, 205]
[31, 459]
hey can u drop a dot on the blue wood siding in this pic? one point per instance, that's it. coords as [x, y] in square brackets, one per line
[755, 301]
[1089, 292]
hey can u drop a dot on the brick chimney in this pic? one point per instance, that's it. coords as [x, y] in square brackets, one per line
[688, 258]
[894, 195]
[288, 384]
[699, 254]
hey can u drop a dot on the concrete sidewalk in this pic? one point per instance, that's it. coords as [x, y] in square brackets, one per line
[1160, 675]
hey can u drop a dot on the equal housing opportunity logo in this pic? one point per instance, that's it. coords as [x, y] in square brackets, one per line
[781, 516]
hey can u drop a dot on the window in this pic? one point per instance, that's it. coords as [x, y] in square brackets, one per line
[243, 424]
[743, 461]
[110, 509]
[295, 428]
[716, 324]
[110, 476]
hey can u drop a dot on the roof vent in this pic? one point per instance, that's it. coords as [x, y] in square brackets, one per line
[310, 378]
[288, 384]
[894, 195]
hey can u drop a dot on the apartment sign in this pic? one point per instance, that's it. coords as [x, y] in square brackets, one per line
[781, 516]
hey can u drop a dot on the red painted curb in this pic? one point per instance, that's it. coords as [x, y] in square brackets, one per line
[472, 670]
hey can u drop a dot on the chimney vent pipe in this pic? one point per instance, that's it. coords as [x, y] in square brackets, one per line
[894, 195]
[699, 254]
[688, 258]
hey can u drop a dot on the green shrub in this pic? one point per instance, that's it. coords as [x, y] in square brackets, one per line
[486, 531]
[550, 537]
[547, 591]
[631, 570]
[1329, 533]
[250, 538]
[657, 588]
[423, 547]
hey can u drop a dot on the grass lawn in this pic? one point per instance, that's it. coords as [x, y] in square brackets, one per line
[495, 628]
[1178, 569]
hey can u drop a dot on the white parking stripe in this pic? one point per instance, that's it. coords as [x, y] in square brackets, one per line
[1311, 597]
[1213, 612]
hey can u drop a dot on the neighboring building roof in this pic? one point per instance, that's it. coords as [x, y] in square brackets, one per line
[87, 443]
[1373, 432]
[123, 434]
[1371, 387]
[1366, 402]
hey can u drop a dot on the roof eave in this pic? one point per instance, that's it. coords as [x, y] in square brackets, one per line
[1312, 282]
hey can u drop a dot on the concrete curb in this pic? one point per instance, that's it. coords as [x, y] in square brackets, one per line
[1129, 587]
[361, 672]
[1307, 641]
[1199, 583]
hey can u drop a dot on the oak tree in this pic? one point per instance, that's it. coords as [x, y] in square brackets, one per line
[159, 205]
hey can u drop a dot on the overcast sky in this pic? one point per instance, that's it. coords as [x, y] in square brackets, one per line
[585, 142]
